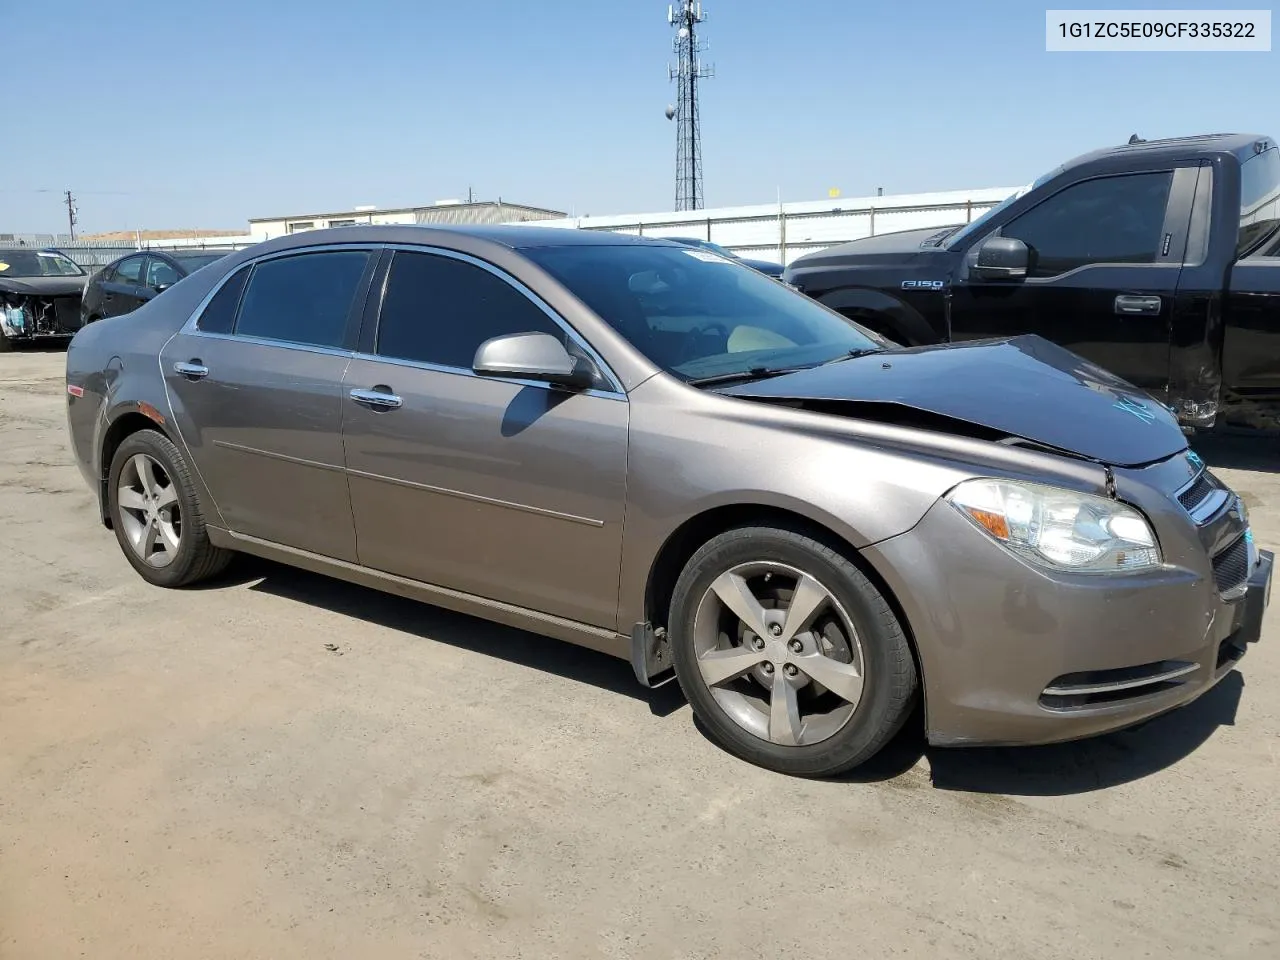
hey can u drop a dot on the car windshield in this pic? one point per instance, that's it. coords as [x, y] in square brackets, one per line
[698, 315]
[976, 225]
[37, 263]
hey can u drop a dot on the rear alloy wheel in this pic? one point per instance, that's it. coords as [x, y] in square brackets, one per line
[789, 655]
[156, 515]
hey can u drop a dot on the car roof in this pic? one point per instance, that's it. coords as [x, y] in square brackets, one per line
[512, 236]
[1172, 149]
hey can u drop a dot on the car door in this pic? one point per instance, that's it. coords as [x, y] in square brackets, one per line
[120, 288]
[255, 382]
[501, 488]
[1105, 255]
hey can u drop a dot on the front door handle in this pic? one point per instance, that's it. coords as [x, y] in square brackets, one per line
[194, 370]
[1137, 306]
[378, 398]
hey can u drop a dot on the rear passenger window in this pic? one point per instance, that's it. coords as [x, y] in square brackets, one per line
[439, 310]
[303, 299]
[220, 314]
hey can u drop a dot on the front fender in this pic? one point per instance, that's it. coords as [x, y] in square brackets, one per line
[902, 321]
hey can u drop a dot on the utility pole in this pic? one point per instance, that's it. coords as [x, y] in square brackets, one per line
[685, 17]
[71, 213]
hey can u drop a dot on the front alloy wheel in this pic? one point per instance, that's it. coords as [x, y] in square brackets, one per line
[778, 653]
[789, 655]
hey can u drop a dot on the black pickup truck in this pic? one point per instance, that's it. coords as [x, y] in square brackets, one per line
[1159, 260]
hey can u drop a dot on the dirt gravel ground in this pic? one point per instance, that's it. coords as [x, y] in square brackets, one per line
[285, 766]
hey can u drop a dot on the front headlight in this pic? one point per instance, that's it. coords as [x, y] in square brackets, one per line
[1060, 529]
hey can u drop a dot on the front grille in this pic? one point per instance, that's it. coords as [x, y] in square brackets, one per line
[1194, 495]
[1231, 566]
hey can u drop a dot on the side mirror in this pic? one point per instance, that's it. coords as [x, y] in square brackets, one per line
[1002, 258]
[531, 356]
[161, 287]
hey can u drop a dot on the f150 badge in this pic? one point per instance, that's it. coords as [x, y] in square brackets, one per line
[923, 284]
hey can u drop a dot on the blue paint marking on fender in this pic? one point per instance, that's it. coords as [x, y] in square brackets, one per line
[1137, 409]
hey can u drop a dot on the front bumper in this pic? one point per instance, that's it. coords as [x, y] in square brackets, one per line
[1012, 654]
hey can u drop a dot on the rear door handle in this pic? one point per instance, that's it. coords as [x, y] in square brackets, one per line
[195, 370]
[1137, 306]
[377, 397]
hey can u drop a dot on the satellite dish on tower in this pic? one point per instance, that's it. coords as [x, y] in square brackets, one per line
[670, 112]
[683, 33]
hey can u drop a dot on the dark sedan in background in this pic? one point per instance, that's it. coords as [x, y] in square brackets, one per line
[127, 283]
[767, 267]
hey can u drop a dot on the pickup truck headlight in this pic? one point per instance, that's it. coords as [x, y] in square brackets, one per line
[1059, 529]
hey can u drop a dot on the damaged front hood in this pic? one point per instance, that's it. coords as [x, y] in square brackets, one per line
[1024, 387]
[43, 286]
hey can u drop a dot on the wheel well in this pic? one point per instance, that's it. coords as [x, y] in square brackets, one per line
[120, 430]
[881, 323]
[696, 531]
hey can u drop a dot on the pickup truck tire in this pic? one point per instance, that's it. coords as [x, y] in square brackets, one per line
[6, 344]
[816, 696]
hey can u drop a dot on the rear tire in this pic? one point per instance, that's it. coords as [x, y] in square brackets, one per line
[156, 515]
[814, 697]
[6, 345]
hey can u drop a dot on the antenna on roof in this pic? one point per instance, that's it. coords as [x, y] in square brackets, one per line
[1136, 139]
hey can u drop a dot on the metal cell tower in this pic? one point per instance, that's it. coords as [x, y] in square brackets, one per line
[689, 69]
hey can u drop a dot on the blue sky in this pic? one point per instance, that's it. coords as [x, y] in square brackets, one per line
[200, 115]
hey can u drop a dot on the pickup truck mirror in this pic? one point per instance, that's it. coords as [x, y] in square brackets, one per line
[1002, 258]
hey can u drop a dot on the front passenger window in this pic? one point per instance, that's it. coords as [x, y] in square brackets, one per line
[1105, 220]
[440, 309]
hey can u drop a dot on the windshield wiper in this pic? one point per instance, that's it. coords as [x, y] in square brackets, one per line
[853, 355]
[763, 373]
[755, 373]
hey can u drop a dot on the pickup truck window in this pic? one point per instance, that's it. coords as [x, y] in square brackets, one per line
[1259, 198]
[1105, 220]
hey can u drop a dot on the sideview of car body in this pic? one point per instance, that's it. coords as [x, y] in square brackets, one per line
[662, 454]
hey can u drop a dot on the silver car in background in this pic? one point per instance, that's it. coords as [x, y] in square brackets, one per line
[659, 453]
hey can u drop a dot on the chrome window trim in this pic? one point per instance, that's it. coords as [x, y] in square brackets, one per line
[190, 326]
[605, 370]
[268, 342]
[464, 372]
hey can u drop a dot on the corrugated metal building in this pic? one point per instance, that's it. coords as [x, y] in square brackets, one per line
[442, 211]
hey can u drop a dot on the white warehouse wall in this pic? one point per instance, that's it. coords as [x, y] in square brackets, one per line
[758, 231]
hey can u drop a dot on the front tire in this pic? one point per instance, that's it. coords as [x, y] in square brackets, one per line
[788, 654]
[156, 515]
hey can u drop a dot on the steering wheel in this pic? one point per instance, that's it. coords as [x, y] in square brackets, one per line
[693, 347]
